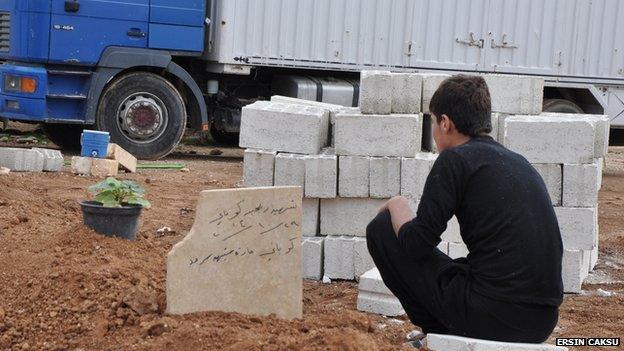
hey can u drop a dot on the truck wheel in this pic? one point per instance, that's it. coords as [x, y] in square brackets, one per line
[144, 114]
[561, 106]
[65, 136]
[222, 137]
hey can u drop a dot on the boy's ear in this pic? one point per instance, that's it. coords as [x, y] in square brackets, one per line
[446, 124]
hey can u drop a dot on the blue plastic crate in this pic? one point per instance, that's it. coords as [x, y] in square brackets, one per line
[94, 143]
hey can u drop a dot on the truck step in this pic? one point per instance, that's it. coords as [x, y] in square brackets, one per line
[69, 73]
[63, 121]
[66, 97]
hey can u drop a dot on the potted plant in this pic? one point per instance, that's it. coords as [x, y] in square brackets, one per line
[116, 208]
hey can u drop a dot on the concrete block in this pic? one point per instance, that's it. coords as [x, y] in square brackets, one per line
[544, 139]
[431, 82]
[348, 216]
[457, 250]
[580, 185]
[353, 176]
[328, 151]
[376, 92]
[440, 342]
[331, 108]
[125, 159]
[296, 101]
[603, 128]
[599, 162]
[375, 297]
[578, 227]
[81, 165]
[378, 135]
[573, 270]
[312, 256]
[406, 92]
[332, 122]
[413, 203]
[310, 210]
[385, 305]
[102, 167]
[515, 94]
[586, 264]
[414, 173]
[501, 127]
[21, 160]
[552, 175]
[495, 116]
[452, 233]
[321, 178]
[443, 246]
[371, 281]
[339, 255]
[52, 159]
[593, 256]
[362, 260]
[601, 124]
[258, 167]
[385, 177]
[284, 127]
[290, 170]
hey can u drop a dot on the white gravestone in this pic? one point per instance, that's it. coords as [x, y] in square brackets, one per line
[243, 254]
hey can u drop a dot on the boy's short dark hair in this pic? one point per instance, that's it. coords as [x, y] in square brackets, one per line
[466, 101]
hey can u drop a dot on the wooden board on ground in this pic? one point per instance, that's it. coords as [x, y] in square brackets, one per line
[243, 254]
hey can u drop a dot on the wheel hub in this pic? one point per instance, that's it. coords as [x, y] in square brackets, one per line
[142, 117]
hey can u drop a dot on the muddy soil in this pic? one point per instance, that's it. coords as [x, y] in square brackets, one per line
[63, 287]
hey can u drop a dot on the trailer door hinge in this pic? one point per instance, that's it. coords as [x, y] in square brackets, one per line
[504, 44]
[472, 41]
[409, 45]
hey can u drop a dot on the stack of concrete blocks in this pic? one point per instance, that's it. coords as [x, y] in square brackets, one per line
[370, 144]
[374, 296]
[31, 160]
[347, 160]
[95, 167]
[568, 151]
[350, 161]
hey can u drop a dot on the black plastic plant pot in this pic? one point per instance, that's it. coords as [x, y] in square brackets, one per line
[121, 222]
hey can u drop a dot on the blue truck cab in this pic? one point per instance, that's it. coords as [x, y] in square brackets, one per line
[110, 65]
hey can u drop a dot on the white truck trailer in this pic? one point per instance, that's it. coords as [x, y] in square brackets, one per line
[577, 46]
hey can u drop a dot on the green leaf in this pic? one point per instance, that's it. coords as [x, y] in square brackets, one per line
[107, 199]
[112, 182]
[99, 186]
[133, 200]
[135, 188]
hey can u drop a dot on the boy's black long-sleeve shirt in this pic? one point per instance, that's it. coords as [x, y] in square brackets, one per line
[506, 219]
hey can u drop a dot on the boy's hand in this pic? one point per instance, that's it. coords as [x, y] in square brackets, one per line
[400, 212]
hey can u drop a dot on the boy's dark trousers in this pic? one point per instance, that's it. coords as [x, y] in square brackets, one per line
[436, 294]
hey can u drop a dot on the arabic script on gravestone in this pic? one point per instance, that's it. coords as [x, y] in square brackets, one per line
[253, 219]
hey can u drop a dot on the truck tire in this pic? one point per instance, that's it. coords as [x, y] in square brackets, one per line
[143, 113]
[65, 136]
[561, 106]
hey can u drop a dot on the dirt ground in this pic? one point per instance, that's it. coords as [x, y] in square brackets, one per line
[63, 287]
